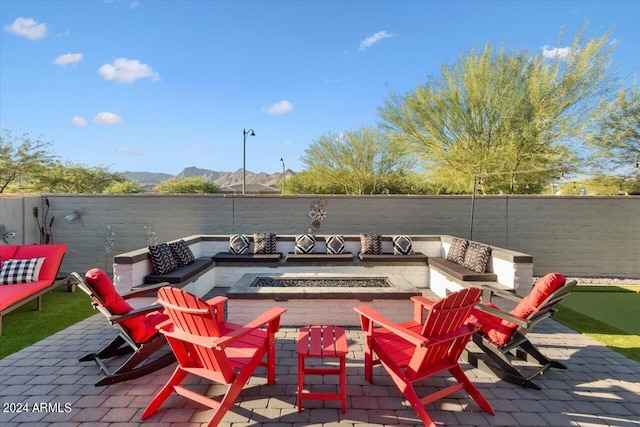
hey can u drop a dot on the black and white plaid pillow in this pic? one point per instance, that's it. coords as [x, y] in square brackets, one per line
[264, 243]
[238, 244]
[20, 270]
[162, 259]
[335, 244]
[182, 253]
[402, 245]
[305, 244]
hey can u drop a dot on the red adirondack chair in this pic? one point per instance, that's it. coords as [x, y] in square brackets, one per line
[207, 346]
[415, 350]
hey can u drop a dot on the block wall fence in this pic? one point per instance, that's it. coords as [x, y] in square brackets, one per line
[578, 236]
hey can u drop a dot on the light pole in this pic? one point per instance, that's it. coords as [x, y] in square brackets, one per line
[249, 132]
[282, 160]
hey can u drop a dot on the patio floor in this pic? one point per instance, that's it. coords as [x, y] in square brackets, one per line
[600, 388]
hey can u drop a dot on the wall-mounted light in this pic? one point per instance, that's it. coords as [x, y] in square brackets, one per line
[73, 216]
[6, 235]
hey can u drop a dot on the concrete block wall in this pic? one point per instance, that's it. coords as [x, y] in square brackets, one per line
[579, 236]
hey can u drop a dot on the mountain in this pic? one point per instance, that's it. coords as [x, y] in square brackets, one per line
[221, 179]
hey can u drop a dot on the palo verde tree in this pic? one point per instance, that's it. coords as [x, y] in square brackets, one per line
[617, 136]
[501, 114]
[22, 156]
[192, 185]
[363, 161]
[73, 178]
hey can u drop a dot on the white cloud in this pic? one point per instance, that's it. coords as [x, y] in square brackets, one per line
[125, 70]
[28, 28]
[281, 107]
[125, 150]
[78, 121]
[106, 118]
[193, 146]
[371, 40]
[285, 144]
[556, 52]
[68, 58]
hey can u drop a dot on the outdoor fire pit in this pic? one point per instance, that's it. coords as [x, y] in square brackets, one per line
[312, 299]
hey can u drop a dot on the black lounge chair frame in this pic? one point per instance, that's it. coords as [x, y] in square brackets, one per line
[499, 359]
[141, 361]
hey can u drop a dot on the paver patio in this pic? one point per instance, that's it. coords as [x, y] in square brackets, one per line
[600, 388]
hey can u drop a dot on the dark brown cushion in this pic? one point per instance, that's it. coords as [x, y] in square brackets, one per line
[389, 257]
[228, 257]
[459, 272]
[320, 256]
[182, 274]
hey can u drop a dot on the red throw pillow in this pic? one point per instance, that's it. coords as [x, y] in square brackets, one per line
[544, 287]
[141, 328]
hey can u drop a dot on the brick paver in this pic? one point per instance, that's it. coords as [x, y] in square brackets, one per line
[45, 385]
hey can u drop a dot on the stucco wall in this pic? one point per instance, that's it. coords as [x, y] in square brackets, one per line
[579, 236]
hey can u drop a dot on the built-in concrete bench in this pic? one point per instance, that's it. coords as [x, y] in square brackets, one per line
[506, 269]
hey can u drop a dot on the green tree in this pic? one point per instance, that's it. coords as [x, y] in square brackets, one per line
[74, 178]
[364, 161]
[502, 114]
[124, 187]
[617, 137]
[192, 185]
[22, 156]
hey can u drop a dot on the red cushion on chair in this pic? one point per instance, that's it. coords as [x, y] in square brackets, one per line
[495, 329]
[141, 328]
[499, 331]
[544, 287]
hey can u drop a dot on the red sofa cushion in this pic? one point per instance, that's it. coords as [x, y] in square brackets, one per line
[52, 254]
[7, 251]
[11, 294]
[141, 328]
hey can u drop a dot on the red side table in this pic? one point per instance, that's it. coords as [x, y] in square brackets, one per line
[322, 342]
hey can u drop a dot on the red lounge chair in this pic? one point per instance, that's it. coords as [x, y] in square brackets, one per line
[415, 350]
[208, 347]
[503, 335]
[137, 334]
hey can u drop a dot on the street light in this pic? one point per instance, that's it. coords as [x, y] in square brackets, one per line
[249, 132]
[282, 160]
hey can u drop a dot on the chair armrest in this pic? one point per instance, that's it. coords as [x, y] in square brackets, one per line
[374, 317]
[272, 315]
[502, 315]
[146, 290]
[119, 318]
[488, 291]
[424, 302]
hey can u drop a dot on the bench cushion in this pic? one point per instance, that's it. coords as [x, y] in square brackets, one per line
[320, 256]
[459, 272]
[181, 274]
[11, 294]
[389, 257]
[227, 257]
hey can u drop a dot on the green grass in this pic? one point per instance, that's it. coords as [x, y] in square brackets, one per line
[608, 314]
[25, 325]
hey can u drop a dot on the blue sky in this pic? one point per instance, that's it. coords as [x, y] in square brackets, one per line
[162, 85]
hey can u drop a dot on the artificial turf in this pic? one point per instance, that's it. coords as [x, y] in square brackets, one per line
[608, 314]
[25, 325]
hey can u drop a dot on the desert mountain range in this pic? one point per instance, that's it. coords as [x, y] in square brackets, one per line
[221, 179]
